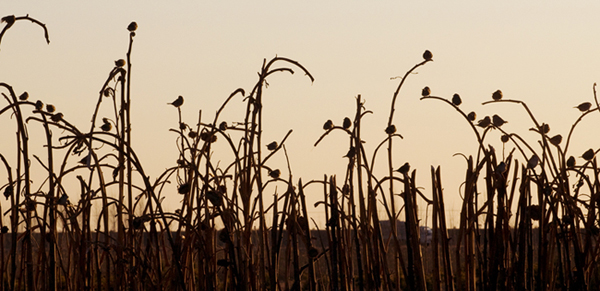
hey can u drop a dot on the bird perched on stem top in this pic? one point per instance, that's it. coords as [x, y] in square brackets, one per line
[497, 95]
[404, 169]
[428, 56]
[178, 102]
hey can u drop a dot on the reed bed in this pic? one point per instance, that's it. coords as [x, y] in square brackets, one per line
[528, 220]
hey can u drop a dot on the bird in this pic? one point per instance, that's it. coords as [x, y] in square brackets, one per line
[57, 117]
[544, 128]
[485, 122]
[351, 152]
[404, 168]
[8, 191]
[275, 174]
[178, 102]
[50, 108]
[456, 99]
[571, 162]
[583, 107]
[555, 140]
[132, 26]
[24, 96]
[425, 92]
[10, 20]
[272, 146]
[497, 120]
[328, 125]
[427, 55]
[472, 116]
[497, 95]
[588, 155]
[119, 63]
[533, 162]
[347, 123]
[39, 105]
[390, 129]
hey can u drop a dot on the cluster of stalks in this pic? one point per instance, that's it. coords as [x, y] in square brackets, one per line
[523, 226]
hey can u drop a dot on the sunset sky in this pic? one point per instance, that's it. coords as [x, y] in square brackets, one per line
[545, 53]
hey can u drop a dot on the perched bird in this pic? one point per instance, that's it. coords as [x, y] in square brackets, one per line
[456, 99]
[390, 129]
[132, 26]
[485, 122]
[583, 107]
[497, 95]
[425, 92]
[555, 140]
[501, 168]
[272, 146]
[497, 120]
[8, 191]
[10, 20]
[347, 123]
[39, 105]
[472, 116]
[119, 63]
[544, 129]
[63, 200]
[106, 126]
[351, 153]
[404, 169]
[571, 162]
[85, 160]
[275, 174]
[50, 108]
[428, 56]
[533, 162]
[184, 188]
[178, 102]
[588, 155]
[328, 125]
[24, 96]
[57, 117]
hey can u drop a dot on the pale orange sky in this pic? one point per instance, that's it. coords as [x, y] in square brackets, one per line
[545, 53]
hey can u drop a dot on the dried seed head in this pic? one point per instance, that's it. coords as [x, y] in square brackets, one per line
[588, 155]
[497, 95]
[404, 169]
[107, 91]
[223, 126]
[50, 108]
[390, 129]
[132, 26]
[545, 128]
[425, 92]
[10, 20]
[583, 107]
[485, 122]
[119, 63]
[497, 120]
[106, 126]
[328, 125]
[178, 102]
[347, 123]
[313, 253]
[8, 191]
[504, 138]
[555, 140]
[39, 105]
[192, 134]
[427, 55]
[456, 99]
[182, 126]
[215, 198]
[571, 162]
[24, 96]
[272, 146]
[63, 200]
[472, 116]
[5, 229]
[224, 235]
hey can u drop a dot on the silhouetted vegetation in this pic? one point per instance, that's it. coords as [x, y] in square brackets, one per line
[529, 218]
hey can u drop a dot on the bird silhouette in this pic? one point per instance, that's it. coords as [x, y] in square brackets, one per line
[497, 95]
[588, 155]
[555, 140]
[404, 168]
[10, 20]
[390, 129]
[485, 122]
[472, 116]
[328, 125]
[583, 107]
[428, 56]
[425, 92]
[106, 126]
[24, 96]
[119, 63]
[456, 99]
[347, 123]
[275, 174]
[533, 162]
[178, 102]
[497, 120]
[50, 108]
[57, 117]
[272, 146]
[571, 162]
[132, 26]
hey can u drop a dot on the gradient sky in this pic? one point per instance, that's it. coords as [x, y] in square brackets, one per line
[545, 53]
